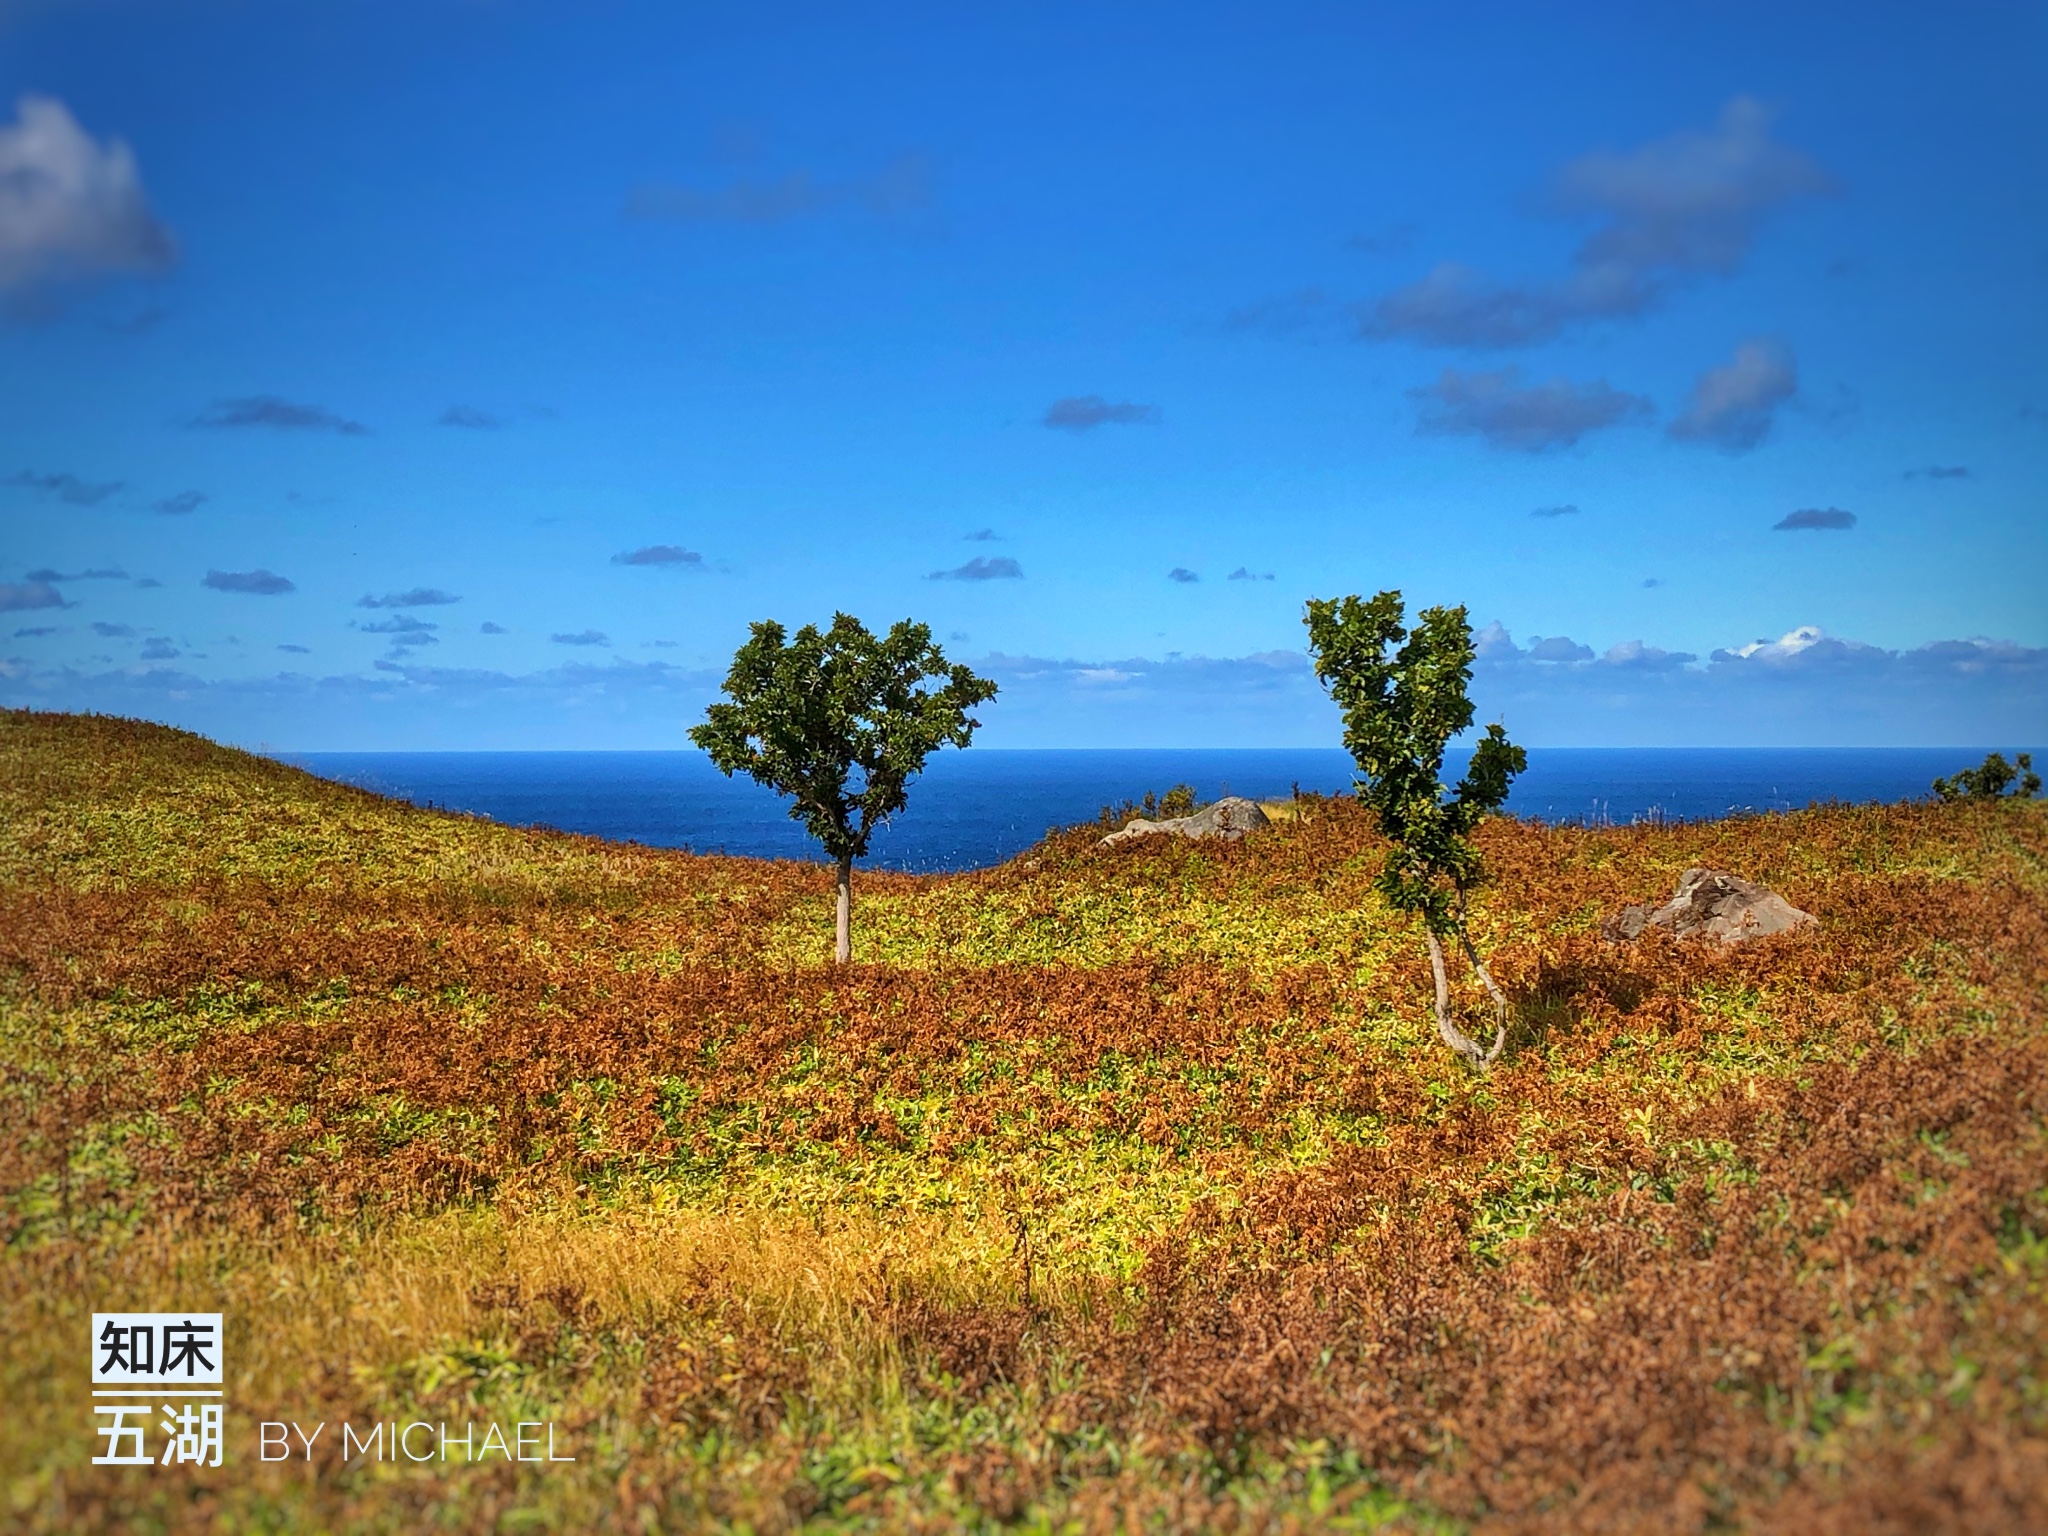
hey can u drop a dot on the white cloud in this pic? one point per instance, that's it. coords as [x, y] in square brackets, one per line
[1555, 648]
[70, 206]
[66, 487]
[1495, 651]
[1804, 688]
[18, 597]
[1640, 657]
[1670, 209]
[1786, 646]
[1084, 413]
[662, 556]
[1733, 405]
[1528, 418]
[1819, 519]
[982, 568]
[1691, 201]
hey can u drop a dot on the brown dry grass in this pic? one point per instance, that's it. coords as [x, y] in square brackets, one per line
[1125, 1191]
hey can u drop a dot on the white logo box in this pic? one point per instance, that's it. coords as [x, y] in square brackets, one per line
[156, 1349]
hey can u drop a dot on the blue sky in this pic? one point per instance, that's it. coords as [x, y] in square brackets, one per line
[1700, 350]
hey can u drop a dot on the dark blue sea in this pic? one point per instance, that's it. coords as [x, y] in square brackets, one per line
[982, 806]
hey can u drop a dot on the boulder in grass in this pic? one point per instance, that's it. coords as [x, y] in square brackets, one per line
[1713, 904]
[1228, 820]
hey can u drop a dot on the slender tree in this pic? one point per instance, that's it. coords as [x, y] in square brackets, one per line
[1402, 693]
[842, 722]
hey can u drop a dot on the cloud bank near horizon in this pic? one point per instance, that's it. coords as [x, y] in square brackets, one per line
[1801, 688]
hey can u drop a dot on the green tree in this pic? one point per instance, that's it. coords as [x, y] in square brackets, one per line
[1402, 693]
[1990, 779]
[841, 721]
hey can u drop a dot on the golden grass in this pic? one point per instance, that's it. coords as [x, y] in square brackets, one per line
[1109, 1191]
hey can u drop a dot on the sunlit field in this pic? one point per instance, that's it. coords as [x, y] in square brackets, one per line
[1107, 1190]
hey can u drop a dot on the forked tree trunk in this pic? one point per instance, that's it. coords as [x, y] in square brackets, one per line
[842, 943]
[1500, 1001]
[1479, 1058]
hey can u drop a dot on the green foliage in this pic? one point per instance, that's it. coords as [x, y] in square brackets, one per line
[809, 713]
[1403, 697]
[1990, 779]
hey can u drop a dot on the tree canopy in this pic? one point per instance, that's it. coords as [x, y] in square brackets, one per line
[1403, 697]
[1991, 779]
[841, 721]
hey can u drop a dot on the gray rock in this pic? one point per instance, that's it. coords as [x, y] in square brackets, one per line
[1227, 819]
[1714, 905]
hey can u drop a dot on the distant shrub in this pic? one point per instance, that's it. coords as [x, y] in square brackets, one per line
[1177, 801]
[1990, 779]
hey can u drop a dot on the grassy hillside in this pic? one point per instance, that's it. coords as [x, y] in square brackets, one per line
[1107, 1190]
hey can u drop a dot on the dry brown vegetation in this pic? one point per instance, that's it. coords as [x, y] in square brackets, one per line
[1116, 1190]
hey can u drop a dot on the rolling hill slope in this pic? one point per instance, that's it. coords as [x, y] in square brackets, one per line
[1107, 1189]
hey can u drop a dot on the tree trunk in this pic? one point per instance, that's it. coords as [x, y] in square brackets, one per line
[1455, 1037]
[842, 944]
[1500, 1001]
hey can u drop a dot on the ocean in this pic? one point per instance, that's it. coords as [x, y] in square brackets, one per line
[982, 806]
